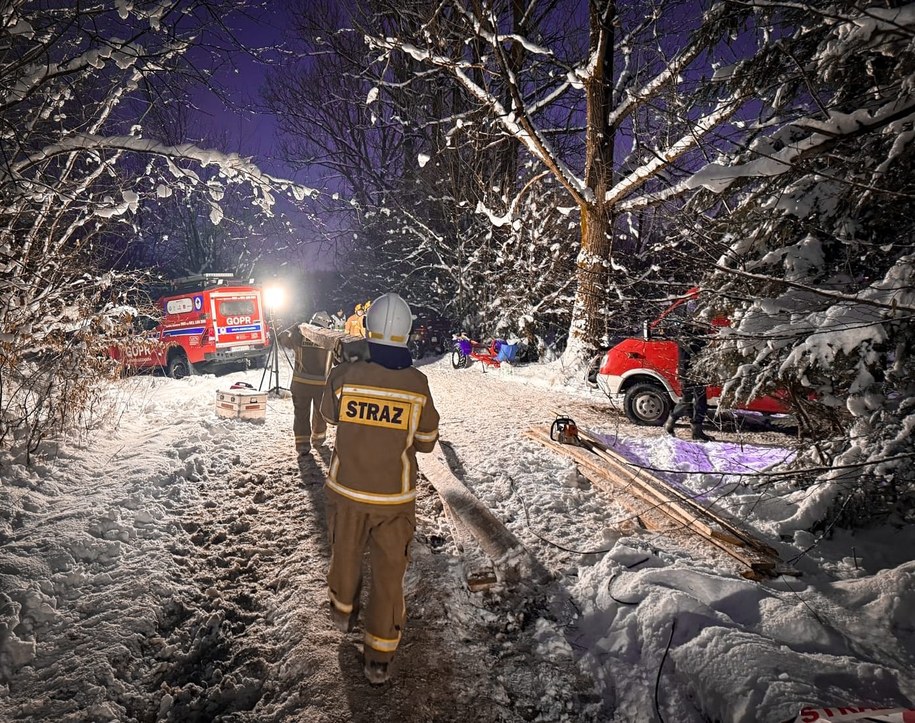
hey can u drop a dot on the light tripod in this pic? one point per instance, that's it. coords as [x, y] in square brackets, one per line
[273, 362]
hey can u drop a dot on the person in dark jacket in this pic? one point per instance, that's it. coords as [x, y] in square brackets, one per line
[384, 414]
[694, 401]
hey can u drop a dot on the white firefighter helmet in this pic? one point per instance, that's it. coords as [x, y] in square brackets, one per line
[388, 321]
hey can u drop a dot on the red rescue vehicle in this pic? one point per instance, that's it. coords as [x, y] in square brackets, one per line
[206, 322]
[645, 370]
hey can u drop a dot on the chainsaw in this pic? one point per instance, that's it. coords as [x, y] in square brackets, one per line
[565, 431]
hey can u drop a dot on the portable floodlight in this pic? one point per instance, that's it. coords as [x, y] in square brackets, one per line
[274, 300]
[274, 297]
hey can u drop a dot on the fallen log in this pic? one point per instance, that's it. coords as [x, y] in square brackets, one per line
[478, 568]
[471, 516]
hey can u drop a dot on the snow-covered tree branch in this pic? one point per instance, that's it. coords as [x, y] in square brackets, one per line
[816, 242]
[619, 71]
[77, 172]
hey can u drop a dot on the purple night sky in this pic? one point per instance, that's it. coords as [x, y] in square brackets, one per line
[236, 111]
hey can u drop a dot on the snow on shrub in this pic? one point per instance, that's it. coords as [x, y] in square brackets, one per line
[816, 265]
[72, 191]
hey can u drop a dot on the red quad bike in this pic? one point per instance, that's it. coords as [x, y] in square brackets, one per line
[645, 370]
[497, 353]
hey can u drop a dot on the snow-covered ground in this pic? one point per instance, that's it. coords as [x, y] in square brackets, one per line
[168, 565]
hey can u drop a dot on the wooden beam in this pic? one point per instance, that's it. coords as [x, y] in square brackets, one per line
[642, 489]
[641, 516]
[469, 514]
[729, 531]
[489, 531]
[759, 558]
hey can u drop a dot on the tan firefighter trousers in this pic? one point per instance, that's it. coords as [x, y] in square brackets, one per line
[309, 426]
[387, 532]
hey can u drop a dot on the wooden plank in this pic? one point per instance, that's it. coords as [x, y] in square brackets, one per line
[479, 579]
[625, 478]
[759, 564]
[640, 516]
[760, 561]
[649, 485]
[729, 532]
[495, 539]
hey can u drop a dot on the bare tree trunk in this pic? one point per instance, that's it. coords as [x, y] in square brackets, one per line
[589, 317]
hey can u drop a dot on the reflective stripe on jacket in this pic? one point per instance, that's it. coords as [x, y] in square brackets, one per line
[311, 365]
[383, 417]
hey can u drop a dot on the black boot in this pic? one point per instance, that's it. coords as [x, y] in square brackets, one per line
[669, 424]
[700, 435]
[377, 673]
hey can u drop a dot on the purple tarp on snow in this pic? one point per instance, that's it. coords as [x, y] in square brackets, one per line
[684, 463]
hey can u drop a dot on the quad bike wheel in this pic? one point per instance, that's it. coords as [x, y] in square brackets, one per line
[459, 360]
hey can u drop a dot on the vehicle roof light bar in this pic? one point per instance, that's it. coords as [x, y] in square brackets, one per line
[213, 278]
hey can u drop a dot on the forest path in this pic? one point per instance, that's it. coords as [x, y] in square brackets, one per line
[170, 566]
[259, 643]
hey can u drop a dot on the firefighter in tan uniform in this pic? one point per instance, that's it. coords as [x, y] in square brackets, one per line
[355, 325]
[384, 416]
[309, 374]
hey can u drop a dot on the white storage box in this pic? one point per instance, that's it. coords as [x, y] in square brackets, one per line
[241, 404]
